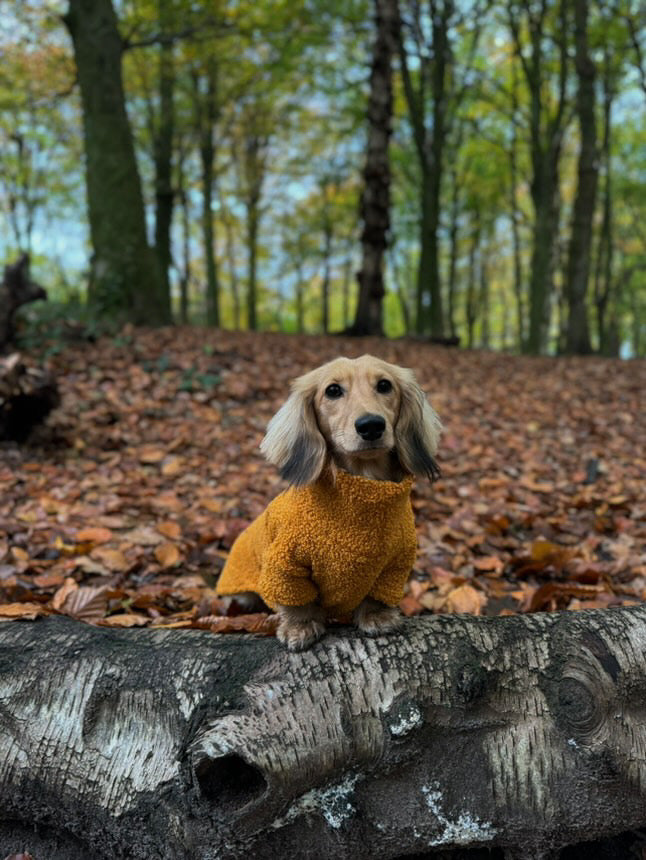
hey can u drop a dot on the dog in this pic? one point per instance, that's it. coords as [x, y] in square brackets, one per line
[341, 540]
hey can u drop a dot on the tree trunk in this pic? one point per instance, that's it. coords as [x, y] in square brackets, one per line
[603, 269]
[453, 238]
[546, 130]
[207, 116]
[483, 299]
[124, 277]
[578, 270]
[521, 733]
[515, 231]
[185, 274]
[471, 301]
[163, 151]
[375, 197]
[231, 261]
[327, 263]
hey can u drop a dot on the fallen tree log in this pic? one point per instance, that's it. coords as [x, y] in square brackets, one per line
[526, 733]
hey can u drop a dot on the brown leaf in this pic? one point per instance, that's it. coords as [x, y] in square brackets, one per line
[151, 455]
[167, 554]
[87, 603]
[125, 619]
[172, 466]
[169, 529]
[466, 598]
[94, 535]
[63, 593]
[257, 622]
[113, 559]
[410, 606]
[22, 611]
[488, 562]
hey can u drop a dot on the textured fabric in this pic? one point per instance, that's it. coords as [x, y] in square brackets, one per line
[336, 542]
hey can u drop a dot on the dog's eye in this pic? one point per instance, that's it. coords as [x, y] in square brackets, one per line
[333, 391]
[384, 386]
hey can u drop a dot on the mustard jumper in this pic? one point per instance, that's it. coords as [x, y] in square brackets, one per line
[336, 542]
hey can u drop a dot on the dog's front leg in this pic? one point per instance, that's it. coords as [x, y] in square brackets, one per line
[374, 618]
[300, 626]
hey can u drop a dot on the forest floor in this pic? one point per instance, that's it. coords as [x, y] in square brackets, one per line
[122, 509]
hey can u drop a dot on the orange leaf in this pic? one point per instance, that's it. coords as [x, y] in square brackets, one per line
[151, 455]
[125, 619]
[488, 562]
[167, 554]
[63, 593]
[466, 598]
[172, 466]
[94, 535]
[24, 611]
[409, 606]
[169, 529]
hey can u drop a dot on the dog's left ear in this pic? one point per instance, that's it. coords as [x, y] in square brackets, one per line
[418, 429]
[293, 441]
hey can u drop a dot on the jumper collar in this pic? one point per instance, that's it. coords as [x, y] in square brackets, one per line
[365, 489]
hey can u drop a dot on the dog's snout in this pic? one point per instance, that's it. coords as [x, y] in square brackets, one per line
[370, 427]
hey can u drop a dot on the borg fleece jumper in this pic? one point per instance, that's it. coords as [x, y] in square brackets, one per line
[335, 542]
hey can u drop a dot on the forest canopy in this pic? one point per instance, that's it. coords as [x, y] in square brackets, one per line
[517, 165]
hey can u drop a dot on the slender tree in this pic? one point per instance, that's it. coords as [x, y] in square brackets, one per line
[547, 124]
[163, 153]
[375, 198]
[124, 276]
[580, 251]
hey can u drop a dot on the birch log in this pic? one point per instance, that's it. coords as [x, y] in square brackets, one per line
[525, 733]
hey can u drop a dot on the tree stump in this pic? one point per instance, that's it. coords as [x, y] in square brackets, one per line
[16, 289]
[27, 396]
[524, 733]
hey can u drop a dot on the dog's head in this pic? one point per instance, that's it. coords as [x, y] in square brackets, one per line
[353, 408]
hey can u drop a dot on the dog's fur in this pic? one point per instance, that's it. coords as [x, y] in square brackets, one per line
[314, 431]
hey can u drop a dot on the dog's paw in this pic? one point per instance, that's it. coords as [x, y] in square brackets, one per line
[300, 635]
[374, 618]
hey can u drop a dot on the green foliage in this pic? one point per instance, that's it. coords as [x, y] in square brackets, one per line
[288, 133]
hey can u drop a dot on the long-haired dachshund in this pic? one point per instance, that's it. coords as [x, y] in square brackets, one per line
[342, 539]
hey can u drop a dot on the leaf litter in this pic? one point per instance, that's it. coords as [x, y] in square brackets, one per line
[122, 510]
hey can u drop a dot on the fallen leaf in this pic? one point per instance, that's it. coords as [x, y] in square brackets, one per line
[257, 622]
[22, 611]
[466, 598]
[63, 593]
[94, 535]
[124, 619]
[169, 529]
[113, 559]
[167, 554]
[87, 603]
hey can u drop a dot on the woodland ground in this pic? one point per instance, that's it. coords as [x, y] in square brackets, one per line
[123, 508]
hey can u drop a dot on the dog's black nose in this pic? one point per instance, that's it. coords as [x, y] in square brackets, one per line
[370, 427]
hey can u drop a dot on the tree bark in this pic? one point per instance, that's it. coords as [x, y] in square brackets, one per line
[546, 130]
[124, 277]
[16, 289]
[206, 106]
[375, 197]
[523, 733]
[163, 153]
[578, 270]
[604, 262]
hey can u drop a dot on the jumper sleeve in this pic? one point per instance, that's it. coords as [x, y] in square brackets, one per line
[285, 576]
[389, 585]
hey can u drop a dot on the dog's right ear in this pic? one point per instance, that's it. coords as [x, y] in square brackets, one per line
[293, 441]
